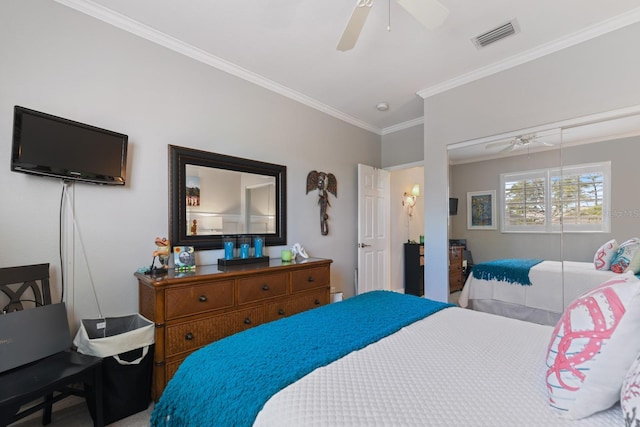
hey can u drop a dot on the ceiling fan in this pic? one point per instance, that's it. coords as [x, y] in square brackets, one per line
[517, 142]
[429, 13]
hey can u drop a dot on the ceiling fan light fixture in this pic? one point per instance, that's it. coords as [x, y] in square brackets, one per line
[429, 13]
[524, 139]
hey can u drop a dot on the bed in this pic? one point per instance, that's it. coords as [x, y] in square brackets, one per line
[433, 364]
[551, 286]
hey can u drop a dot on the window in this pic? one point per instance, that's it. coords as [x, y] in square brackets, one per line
[571, 198]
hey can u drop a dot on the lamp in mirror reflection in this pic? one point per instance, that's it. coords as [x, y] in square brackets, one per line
[409, 199]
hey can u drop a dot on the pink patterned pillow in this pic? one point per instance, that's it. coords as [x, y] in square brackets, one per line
[592, 347]
[605, 254]
[630, 395]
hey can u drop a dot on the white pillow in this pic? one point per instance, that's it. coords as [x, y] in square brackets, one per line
[592, 347]
[625, 255]
[605, 254]
[630, 395]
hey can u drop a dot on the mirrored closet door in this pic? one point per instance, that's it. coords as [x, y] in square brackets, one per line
[534, 207]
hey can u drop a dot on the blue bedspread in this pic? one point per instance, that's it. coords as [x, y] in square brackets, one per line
[507, 270]
[227, 382]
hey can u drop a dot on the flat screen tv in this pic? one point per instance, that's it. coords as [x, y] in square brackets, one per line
[47, 145]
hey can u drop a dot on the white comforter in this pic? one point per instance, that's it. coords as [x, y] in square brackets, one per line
[455, 368]
[553, 286]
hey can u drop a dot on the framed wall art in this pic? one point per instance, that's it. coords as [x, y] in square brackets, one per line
[481, 210]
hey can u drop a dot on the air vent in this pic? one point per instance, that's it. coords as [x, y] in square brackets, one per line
[496, 34]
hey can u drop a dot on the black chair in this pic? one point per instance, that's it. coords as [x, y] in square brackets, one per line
[15, 282]
[49, 379]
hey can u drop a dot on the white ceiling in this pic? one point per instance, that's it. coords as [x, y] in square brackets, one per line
[289, 46]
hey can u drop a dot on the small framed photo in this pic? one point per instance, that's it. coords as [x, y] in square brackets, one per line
[481, 210]
[184, 257]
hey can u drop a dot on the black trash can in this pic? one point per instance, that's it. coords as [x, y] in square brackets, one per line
[126, 345]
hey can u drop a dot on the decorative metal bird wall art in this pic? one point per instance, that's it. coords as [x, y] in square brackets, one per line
[324, 182]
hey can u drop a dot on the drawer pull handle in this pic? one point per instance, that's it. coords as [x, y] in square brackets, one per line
[189, 336]
[281, 312]
[247, 321]
[202, 298]
[265, 287]
[310, 279]
[317, 302]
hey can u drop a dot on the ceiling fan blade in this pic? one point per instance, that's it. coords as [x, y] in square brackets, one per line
[496, 144]
[430, 13]
[508, 148]
[354, 26]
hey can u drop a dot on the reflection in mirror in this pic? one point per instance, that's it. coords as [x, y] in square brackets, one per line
[617, 142]
[479, 168]
[214, 195]
[228, 202]
[476, 165]
[588, 203]
[515, 167]
[261, 208]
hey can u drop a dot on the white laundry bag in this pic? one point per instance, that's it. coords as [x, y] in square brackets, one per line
[126, 346]
[112, 336]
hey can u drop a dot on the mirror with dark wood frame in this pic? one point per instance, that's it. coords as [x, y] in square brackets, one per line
[213, 196]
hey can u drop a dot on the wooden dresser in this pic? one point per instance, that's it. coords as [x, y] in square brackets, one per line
[456, 272]
[192, 309]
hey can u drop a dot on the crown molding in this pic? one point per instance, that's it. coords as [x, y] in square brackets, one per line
[593, 31]
[118, 20]
[401, 126]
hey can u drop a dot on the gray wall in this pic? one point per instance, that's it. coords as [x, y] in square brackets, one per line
[595, 76]
[60, 61]
[403, 147]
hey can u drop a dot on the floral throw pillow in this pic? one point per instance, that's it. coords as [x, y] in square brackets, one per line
[592, 347]
[625, 254]
[630, 395]
[605, 254]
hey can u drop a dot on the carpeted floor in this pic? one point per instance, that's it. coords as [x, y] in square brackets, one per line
[73, 412]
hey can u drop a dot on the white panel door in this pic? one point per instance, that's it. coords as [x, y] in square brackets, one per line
[373, 229]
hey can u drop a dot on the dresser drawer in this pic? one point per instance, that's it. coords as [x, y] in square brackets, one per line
[455, 255]
[456, 282]
[256, 288]
[199, 298]
[170, 369]
[189, 336]
[290, 306]
[457, 269]
[310, 278]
